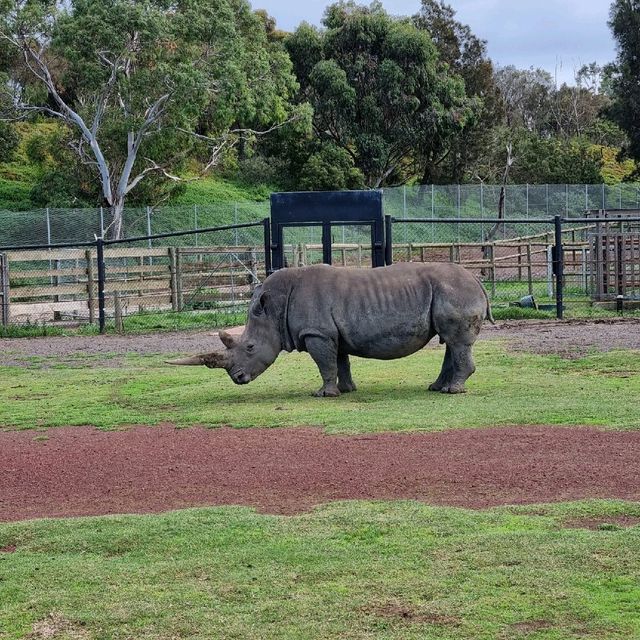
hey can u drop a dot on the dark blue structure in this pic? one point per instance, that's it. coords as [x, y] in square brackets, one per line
[326, 209]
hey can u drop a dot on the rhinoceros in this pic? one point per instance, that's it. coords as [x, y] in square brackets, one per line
[334, 312]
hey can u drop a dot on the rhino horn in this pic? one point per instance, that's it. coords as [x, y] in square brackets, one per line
[215, 360]
[191, 360]
[227, 339]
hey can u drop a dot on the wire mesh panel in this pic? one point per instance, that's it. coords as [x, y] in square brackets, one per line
[513, 259]
[52, 285]
[178, 282]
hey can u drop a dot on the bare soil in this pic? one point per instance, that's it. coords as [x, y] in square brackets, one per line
[569, 339]
[621, 522]
[82, 471]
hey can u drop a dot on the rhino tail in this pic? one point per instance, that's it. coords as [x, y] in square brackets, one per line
[486, 297]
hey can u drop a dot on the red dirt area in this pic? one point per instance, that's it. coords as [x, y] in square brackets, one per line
[84, 471]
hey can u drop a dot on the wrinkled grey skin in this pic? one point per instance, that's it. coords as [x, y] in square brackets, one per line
[383, 313]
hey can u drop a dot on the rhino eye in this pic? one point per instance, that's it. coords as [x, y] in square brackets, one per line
[250, 347]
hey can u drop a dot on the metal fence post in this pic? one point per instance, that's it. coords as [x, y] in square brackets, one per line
[195, 221]
[4, 290]
[388, 240]
[101, 279]
[149, 225]
[547, 187]
[235, 221]
[558, 263]
[266, 226]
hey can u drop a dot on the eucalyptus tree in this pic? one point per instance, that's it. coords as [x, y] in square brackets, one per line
[377, 89]
[466, 55]
[625, 72]
[142, 84]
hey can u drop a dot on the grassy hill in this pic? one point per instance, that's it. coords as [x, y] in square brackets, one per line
[18, 177]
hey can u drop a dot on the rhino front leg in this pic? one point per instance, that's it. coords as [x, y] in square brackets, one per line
[345, 381]
[325, 354]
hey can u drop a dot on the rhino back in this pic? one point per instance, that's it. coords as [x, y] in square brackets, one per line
[378, 313]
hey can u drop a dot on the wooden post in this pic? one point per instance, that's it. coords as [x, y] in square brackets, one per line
[360, 256]
[344, 257]
[179, 279]
[421, 254]
[451, 253]
[141, 279]
[253, 267]
[529, 269]
[519, 263]
[91, 295]
[493, 269]
[409, 248]
[117, 312]
[172, 279]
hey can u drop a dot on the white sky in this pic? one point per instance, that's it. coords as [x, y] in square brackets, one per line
[557, 35]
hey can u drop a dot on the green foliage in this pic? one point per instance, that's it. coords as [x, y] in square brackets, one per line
[541, 159]
[466, 55]
[625, 25]
[393, 570]
[14, 195]
[377, 90]
[8, 141]
[207, 68]
[330, 169]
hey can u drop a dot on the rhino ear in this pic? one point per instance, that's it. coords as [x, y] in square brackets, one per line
[227, 339]
[259, 306]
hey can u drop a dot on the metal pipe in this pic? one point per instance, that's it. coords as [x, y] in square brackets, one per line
[559, 266]
[99, 243]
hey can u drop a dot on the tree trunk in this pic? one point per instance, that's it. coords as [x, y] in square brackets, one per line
[116, 227]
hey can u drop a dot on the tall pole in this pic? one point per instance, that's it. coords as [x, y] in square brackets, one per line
[559, 266]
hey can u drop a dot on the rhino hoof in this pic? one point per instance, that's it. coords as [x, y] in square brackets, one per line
[453, 390]
[435, 387]
[347, 388]
[331, 392]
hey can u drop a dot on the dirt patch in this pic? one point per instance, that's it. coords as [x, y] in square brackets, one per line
[103, 351]
[82, 471]
[570, 339]
[602, 524]
[10, 548]
[56, 626]
[530, 626]
[409, 614]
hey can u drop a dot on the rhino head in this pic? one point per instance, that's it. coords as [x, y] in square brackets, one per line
[244, 358]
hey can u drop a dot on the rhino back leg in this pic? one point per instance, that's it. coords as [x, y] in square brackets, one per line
[345, 381]
[325, 354]
[446, 373]
[459, 334]
[462, 366]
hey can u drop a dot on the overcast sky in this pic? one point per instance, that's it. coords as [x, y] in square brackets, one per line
[557, 35]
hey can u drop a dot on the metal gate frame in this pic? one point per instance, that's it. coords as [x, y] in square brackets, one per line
[326, 209]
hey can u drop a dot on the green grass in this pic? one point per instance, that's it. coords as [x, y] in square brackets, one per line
[508, 389]
[347, 570]
[215, 189]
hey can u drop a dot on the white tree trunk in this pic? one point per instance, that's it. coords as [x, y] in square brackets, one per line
[116, 225]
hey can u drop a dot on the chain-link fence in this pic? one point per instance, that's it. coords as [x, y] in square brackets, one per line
[205, 277]
[167, 281]
[596, 271]
[50, 226]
